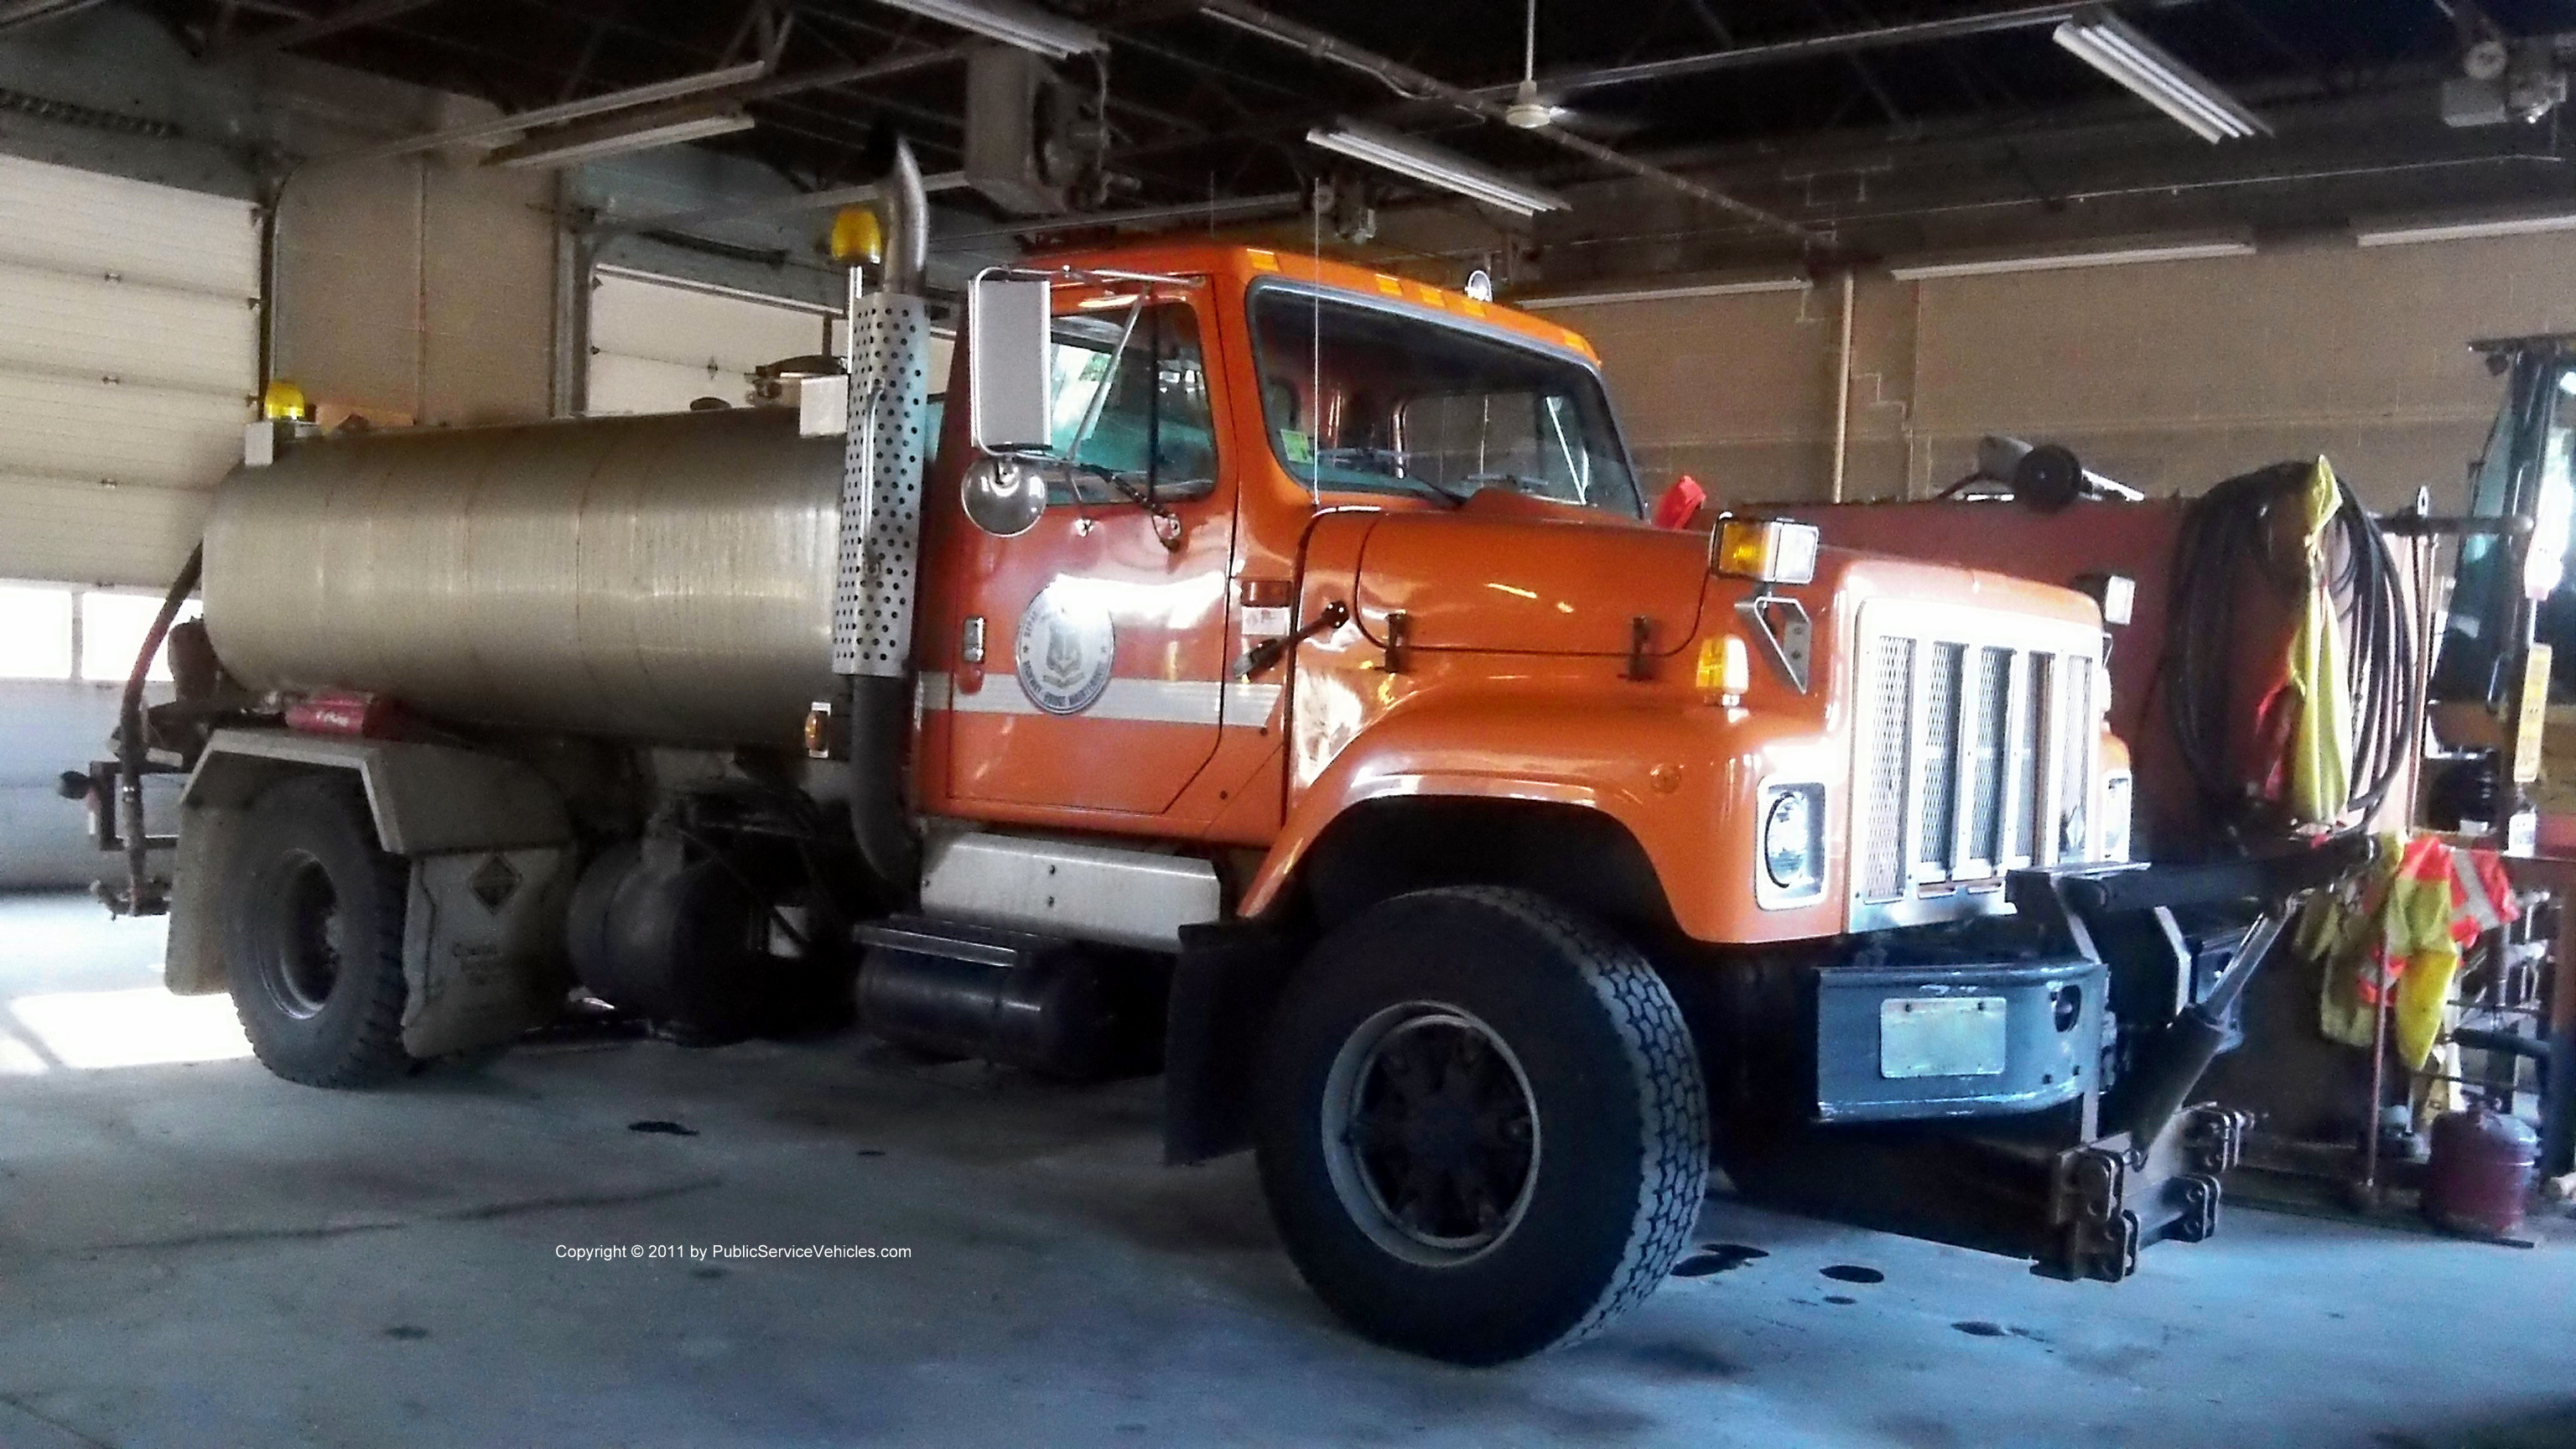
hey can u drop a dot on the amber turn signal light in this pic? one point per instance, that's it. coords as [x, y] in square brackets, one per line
[1725, 670]
[827, 733]
[1770, 550]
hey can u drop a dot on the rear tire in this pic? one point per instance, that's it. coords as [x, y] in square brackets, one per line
[312, 937]
[1481, 1127]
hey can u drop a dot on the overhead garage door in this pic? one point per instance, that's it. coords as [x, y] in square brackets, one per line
[129, 353]
[656, 346]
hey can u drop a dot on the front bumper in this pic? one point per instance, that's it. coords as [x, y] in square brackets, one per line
[1897, 1043]
[1968, 1100]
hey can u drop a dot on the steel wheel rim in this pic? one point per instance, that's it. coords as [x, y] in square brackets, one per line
[307, 950]
[1431, 1133]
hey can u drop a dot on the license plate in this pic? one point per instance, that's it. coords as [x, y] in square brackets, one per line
[1947, 1036]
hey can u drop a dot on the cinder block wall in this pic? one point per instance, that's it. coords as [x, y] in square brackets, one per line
[2167, 375]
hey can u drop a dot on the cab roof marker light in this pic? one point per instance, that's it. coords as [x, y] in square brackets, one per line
[1025, 26]
[1433, 167]
[2122, 52]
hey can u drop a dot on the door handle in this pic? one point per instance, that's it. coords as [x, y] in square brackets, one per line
[1270, 651]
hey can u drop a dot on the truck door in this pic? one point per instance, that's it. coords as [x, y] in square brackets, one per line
[1103, 646]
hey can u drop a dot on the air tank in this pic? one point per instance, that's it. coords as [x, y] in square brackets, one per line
[664, 578]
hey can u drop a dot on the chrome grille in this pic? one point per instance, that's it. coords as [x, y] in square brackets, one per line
[1987, 748]
[1891, 700]
[1975, 745]
[2075, 763]
[2041, 723]
[2024, 679]
[1934, 823]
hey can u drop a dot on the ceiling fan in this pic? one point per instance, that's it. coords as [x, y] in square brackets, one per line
[1530, 110]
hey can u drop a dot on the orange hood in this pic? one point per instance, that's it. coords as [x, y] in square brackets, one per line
[1495, 578]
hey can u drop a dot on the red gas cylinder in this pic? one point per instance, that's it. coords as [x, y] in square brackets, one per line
[2480, 1175]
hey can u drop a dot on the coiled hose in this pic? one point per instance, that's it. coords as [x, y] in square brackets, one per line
[2226, 537]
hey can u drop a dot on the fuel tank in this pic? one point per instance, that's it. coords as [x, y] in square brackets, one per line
[663, 578]
[2480, 1175]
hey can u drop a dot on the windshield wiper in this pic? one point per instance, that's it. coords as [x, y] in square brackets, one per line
[1355, 461]
[1521, 483]
[1167, 524]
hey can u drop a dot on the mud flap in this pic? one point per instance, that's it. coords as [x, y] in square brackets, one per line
[1228, 978]
[482, 947]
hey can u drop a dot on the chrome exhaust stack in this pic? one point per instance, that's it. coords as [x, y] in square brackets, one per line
[880, 542]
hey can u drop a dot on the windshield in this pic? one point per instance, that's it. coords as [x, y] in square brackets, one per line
[1387, 403]
[2528, 472]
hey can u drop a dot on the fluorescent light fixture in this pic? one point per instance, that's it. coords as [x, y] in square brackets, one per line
[2436, 229]
[1025, 26]
[1433, 167]
[2121, 51]
[1736, 287]
[502, 128]
[2117, 256]
[576, 144]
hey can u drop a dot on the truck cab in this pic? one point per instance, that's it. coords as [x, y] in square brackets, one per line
[1430, 496]
[1267, 675]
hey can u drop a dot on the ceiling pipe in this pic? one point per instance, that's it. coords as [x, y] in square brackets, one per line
[1806, 47]
[854, 73]
[15, 13]
[826, 199]
[1412, 84]
[305, 32]
[1232, 208]
[1842, 391]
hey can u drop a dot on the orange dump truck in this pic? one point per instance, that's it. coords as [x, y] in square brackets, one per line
[1263, 673]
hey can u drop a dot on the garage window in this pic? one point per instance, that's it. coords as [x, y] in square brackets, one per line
[37, 640]
[112, 629]
[35, 632]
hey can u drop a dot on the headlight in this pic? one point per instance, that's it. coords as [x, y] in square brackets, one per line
[2116, 807]
[1793, 843]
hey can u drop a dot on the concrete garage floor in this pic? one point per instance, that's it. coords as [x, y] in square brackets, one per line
[193, 1253]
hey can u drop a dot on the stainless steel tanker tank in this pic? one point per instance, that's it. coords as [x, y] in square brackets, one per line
[665, 578]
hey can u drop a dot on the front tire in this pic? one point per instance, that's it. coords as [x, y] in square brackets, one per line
[312, 936]
[1482, 1128]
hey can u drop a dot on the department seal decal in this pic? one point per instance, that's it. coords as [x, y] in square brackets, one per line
[1064, 649]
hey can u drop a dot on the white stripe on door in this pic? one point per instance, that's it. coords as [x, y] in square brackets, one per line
[1146, 701]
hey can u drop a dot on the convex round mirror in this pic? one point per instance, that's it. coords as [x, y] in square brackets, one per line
[1004, 496]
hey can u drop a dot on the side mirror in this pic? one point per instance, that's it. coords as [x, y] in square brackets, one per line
[1004, 496]
[1007, 330]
